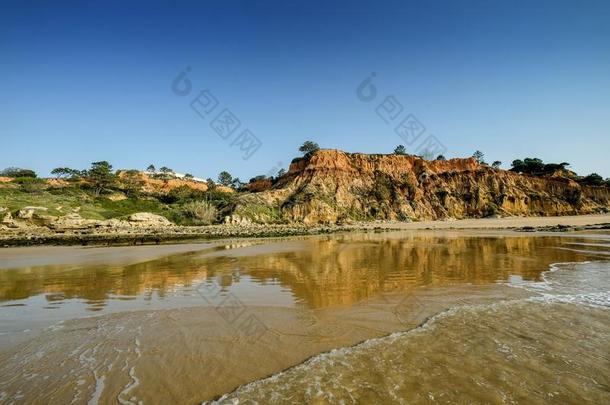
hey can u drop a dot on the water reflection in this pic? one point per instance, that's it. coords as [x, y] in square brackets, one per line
[345, 270]
[319, 272]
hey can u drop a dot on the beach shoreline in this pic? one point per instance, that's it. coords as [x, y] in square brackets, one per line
[164, 315]
[42, 236]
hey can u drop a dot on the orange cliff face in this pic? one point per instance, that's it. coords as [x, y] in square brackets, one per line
[150, 184]
[331, 185]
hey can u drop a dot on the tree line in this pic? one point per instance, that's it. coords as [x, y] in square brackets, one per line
[101, 175]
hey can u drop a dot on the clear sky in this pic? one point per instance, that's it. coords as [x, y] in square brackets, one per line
[84, 81]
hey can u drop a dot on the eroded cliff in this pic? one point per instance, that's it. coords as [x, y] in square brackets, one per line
[331, 185]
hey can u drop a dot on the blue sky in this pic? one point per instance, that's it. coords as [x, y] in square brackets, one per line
[86, 81]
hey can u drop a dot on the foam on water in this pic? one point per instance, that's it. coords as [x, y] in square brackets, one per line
[371, 370]
[586, 283]
[601, 299]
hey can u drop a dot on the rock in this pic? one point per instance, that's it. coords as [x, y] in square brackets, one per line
[7, 218]
[237, 220]
[115, 223]
[44, 220]
[36, 208]
[9, 222]
[71, 222]
[25, 214]
[149, 219]
[117, 197]
[28, 212]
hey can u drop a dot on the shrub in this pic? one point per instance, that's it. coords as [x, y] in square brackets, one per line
[309, 147]
[536, 166]
[258, 212]
[225, 179]
[220, 199]
[165, 174]
[574, 197]
[382, 188]
[30, 184]
[181, 194]
[400, 150]
[491, 209]
[237, 183]
[593, 179]
[442, 194]
[479, 156]
[66, 172]
[17, 172]
[202, 211]
[107, 209]
[259, 178]
[133, 183]
[100, 177]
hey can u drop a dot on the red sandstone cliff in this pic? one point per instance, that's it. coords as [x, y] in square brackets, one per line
[332, 185]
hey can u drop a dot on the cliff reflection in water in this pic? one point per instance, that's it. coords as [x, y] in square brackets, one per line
[345, 270]
[319, 272]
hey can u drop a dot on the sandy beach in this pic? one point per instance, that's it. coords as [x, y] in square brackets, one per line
[192, 322]
[309, 203]
[504, 223]
[35, 236]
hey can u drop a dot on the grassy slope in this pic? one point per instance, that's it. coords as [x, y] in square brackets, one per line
[66, 200]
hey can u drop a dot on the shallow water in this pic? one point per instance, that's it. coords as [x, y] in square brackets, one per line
[314, 273]
[195, 325]
[553, 348]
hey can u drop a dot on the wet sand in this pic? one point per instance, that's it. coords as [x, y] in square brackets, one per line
[193, 354]
[225, 315]
[41, 236]
[32, 256]
[551, 348]
[37, 255]
[505, 223]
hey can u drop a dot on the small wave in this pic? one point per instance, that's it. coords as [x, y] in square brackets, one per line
[601, 299]
[326, 357]
[584, 284]
[389, 368]
[571, 278]
[337, 355]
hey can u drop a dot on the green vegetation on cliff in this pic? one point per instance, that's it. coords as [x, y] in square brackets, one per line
[322, 186]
